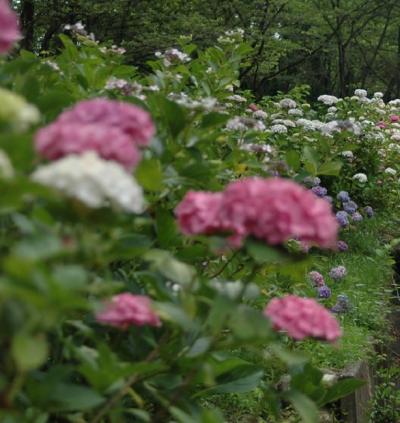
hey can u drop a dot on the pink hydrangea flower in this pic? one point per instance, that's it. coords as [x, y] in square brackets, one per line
[276, 210]
[394, 118]
[9, 31]
[126, 310]
[316, 278]
[381, 125]
[273, 210]
[198, 213]
[58, 140]
[113, 129]
[302, 318]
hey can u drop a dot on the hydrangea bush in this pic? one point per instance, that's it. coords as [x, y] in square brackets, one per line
[139, 214]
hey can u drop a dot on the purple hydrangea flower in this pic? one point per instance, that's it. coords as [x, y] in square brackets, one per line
[342, 246]
[343, 218]
[338, 273]
[356, 217]
[343, 196]
[328, 198]
[319, 191]
[316, 278]
[342, 304]
[312, 181]
[369, 211]
[343, 299]
[324, 292]
[350, 207]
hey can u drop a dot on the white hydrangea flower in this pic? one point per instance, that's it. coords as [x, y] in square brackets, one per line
[332, 109]
[260, 114]
[360, 93]
[394, 147]
[153, 88]
[328, 99]
[15, 111]
[238, 98]
[236, 124]
[278, 129]
[287, 103]
[116, 83]
[6, 168]
[288, 123]
[395, 136]
[348, 154]
[395, 102]
[239, 123]
[295, 112]
[310, 125]
[360, 177]
[93, 181]
[378, 94]
[390, 171]
[173, 55]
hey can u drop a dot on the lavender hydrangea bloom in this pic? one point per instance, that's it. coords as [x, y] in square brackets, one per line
[356, 217]
[324, 292]
[369, 211]
[316, 278]
[342, 246]
[342, 304]
[343, 218]
[312, 181]
[343, 196]
[350, 207]
[338, 273]
[319, 191]
[344, 300]
[328, 198]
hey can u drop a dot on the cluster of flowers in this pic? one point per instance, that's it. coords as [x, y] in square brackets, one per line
[299, 317]
[96, 138]
[172, 56]
[336, 273]
[273, 209]
[350, 210]
[9, 33]
[318, 281]
[16, 112]
[302, 317]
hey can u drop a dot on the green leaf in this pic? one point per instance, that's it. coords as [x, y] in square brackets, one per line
[263, 253]
[293, 159]
[129, 246]
[149, 174]
[311, 160]
[173, 114]
[166, 228]
[214, 119]
[170, 267]
[306, 408]
[341, 389]
[330, 168]
[29, 352]
[71, 397]
[241, 379]
[39, 247]
[173, 313]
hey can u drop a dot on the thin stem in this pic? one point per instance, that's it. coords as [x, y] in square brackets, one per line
[224, 266]
[127, 385]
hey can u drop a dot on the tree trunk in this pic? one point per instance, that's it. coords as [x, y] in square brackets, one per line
[28, 23]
